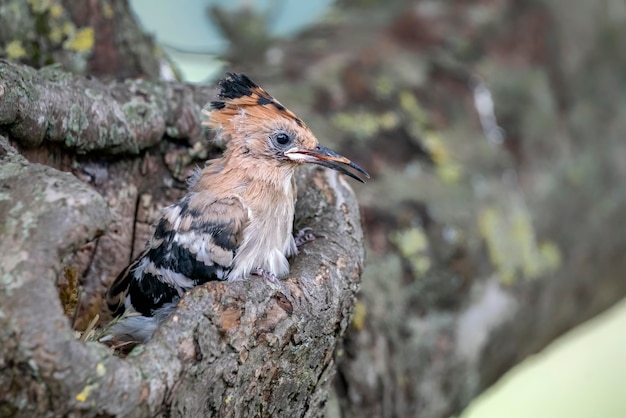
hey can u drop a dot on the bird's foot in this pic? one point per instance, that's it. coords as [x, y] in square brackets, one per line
[303, 236]
[271, 277]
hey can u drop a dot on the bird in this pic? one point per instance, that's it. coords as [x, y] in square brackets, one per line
[236, 220]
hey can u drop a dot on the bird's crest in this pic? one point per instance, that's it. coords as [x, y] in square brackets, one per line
[239, 93]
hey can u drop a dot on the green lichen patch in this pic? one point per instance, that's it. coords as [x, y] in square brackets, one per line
[94, 94]
[136, 111]
[81, 40]
[15, 49]
[365, 125]
[40, 6]
[412, 243]
[512, 245]
[75, 124]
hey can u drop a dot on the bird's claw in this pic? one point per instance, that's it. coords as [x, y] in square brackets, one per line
[271, 277]
[303, 236]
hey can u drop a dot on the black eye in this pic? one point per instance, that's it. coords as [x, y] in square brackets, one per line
[282, 138]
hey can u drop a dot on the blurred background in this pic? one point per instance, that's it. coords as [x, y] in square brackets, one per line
[480, 46]
[494, 133]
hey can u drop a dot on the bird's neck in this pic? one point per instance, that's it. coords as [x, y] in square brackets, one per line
[254, 180]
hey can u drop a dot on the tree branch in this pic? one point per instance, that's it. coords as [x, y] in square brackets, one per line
[85, 115]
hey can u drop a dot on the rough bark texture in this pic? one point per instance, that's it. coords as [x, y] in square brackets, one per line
[230, 349]
[85, 115]
[483, 245]
[134, 141]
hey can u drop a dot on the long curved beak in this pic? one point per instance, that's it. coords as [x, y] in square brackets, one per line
[327, 158]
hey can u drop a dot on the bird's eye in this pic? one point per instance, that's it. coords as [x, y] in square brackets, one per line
[282, 138]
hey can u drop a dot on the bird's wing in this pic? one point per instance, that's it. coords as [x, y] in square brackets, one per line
[193, 243]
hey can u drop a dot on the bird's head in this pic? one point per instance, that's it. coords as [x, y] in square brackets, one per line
[257, 127]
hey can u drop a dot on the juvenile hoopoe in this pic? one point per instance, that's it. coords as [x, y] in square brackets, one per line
[237, 218]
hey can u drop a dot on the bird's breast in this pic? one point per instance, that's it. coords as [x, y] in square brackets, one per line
[267, 240]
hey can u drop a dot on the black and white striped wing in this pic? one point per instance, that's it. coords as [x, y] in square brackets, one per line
[194, 242]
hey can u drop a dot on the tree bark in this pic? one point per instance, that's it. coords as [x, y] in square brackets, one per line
[230, 349]
[110, 135]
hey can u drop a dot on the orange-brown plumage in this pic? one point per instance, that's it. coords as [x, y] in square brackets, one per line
[237, 218]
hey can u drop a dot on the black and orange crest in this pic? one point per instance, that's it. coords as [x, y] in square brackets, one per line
[237, 91]
[235, 86]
